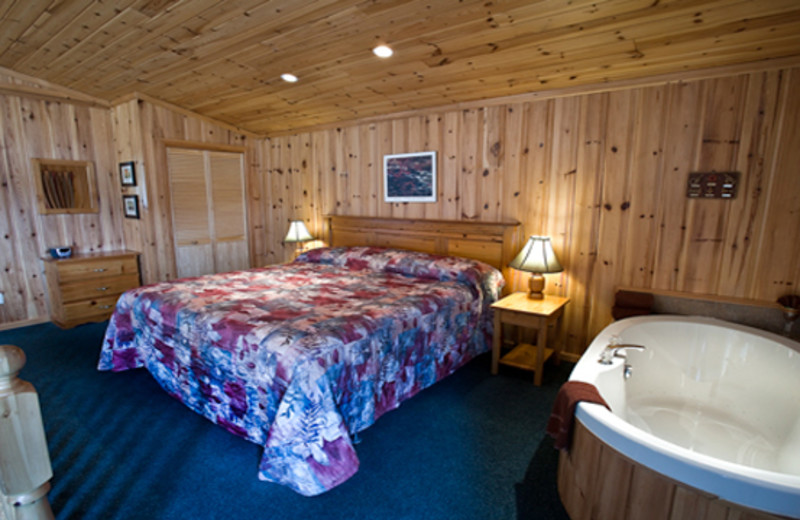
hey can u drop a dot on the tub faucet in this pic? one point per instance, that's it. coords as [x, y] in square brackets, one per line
[612, 351]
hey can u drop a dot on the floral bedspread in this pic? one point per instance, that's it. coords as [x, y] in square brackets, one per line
[300, 357]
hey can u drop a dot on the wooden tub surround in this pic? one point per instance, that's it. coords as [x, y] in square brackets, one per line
[597, 482]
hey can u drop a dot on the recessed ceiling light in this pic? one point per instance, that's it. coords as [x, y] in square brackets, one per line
[290, 78]
[382, 51]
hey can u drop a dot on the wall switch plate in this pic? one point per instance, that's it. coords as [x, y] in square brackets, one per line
[712, 185]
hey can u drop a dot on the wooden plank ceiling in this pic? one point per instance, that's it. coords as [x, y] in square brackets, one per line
[224, 59]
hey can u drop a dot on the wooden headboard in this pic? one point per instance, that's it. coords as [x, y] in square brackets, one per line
[495, 243]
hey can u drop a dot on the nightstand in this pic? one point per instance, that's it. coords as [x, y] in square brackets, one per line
[518, 309]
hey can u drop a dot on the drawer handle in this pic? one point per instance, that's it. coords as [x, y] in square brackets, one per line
[102, 288]
[99, 269]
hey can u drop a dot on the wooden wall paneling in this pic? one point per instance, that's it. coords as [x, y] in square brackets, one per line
[683, 133]
[35, 136]
[470, 128]
[432, 140]
[721, 125]
[35, 231]
[646, 177]
[80, 141]
[400, 144]
[449, 185]
[16, 224]
[318, 224]
[779, 244]
[159, 123]
[357, 159]
[558, 154]
[325, 187]
[129, 147]
[303, 207]
[384, 146]
[537, 156]
[255, 201]
[737, 266]
[514, 139]
[35, 127]
[273, 249]
[615, 202]
[490, 173]
[560, 183]
[582, 255]
[277, 189]
[108, 182]
[418, 129]
[344, 151]
[371, 163]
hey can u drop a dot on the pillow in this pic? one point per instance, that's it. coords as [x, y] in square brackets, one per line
[474, 273]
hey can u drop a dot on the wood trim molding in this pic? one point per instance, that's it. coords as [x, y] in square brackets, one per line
[23, 323]
[197, 145]
[41, 89]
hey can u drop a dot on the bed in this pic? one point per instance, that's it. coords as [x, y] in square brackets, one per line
[299, 358]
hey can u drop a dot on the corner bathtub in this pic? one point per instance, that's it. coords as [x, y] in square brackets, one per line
[708, 420]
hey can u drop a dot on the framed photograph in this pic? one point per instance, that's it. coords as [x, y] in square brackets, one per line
[409, 177]
[127, 173]
[130, 206]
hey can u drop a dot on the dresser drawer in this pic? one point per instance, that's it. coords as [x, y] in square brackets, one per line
[86, 286]
[98, 287]
[96, 268]
[87, 310]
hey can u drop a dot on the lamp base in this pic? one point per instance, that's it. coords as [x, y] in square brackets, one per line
[536, 286]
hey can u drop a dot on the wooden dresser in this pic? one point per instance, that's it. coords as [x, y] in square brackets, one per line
[86, 286]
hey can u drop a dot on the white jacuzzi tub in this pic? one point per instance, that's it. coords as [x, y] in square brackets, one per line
[708, 403]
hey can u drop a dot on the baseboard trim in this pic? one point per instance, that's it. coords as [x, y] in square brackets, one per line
[23, 323]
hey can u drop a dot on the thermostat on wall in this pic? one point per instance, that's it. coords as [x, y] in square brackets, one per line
[712, 185]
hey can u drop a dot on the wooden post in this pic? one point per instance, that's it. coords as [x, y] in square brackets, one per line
[25, 470]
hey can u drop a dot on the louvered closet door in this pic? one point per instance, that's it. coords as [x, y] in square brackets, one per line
[208, 212]
[227, 196]
[194, 252]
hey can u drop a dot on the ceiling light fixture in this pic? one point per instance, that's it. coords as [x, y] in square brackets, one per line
[382, 51]
[289, 78]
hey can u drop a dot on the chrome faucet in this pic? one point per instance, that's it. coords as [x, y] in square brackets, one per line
[613, 350]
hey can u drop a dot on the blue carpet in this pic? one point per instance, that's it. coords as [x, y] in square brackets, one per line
[470, 447]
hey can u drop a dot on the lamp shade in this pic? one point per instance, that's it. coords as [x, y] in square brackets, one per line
[537, 257]
[298, 232]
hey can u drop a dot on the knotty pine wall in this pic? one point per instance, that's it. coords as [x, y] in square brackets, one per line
[143, 128]
[603, 174]
[34, 127]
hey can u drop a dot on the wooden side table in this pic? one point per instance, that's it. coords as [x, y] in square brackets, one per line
[518, 309]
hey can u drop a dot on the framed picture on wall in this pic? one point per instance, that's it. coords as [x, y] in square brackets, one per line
[130, 206]
[127, 173]
[409, 177]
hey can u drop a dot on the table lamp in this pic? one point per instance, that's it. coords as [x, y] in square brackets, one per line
[298, 233]
[537, 257]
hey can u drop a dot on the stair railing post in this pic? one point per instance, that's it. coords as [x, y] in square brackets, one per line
[25, 470]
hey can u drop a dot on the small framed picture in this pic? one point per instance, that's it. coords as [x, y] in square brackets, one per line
[127, 173]
[130, 206]
[409, 177]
